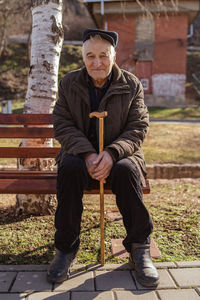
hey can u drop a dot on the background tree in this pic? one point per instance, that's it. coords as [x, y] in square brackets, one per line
[46, 45]
[8, 9]
[160, 4]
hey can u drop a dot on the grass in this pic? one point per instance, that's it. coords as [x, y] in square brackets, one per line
[17, 106]
[9, 143]
[192, 113]
[175, 212]
[71, 59]
[172, 143]
[15, 59]
[14, 69]
[173, 207]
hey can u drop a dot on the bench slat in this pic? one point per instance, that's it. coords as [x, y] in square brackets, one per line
[30, 132]
[14, 181]
[27, 186]
[39, 186]
[34, 186]
[28, 152]
[27, 174]
[26, 119]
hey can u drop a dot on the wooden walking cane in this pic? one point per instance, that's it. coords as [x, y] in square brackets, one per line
[101, 116]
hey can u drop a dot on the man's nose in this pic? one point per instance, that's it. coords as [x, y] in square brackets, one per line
[97, 62]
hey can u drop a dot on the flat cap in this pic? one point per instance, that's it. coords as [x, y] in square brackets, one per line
[110, 36]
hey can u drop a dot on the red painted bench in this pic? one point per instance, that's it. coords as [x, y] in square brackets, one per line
[32, 182]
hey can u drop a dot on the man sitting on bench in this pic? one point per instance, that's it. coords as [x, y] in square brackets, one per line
[101, 86]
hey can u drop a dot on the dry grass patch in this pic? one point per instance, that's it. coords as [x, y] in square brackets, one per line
[173, 143]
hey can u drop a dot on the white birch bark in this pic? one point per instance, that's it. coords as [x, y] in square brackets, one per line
[46, 45]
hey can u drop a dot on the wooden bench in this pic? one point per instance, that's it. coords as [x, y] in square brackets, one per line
[13, 181]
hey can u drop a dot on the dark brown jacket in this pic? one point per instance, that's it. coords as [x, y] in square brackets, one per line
[125, 126]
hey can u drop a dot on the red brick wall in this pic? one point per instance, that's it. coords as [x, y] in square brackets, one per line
[170, 44]
[169, 65]
[125, 26]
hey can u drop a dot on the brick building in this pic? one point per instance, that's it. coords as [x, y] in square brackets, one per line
[152, 43]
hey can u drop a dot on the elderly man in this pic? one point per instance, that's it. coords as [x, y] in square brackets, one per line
[101, 86]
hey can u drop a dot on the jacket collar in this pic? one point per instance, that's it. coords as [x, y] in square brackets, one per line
[119, 81]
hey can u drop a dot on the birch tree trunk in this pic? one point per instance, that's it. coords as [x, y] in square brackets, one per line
[3, 39]
[47, 39]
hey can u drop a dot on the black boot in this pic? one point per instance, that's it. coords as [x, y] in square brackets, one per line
[140, 259]
[58, 270]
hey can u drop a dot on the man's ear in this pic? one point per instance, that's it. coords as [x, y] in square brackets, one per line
[114, 58]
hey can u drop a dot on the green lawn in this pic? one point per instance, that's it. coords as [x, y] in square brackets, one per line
[186, 113]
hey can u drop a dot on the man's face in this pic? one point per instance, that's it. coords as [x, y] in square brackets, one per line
[99, 59]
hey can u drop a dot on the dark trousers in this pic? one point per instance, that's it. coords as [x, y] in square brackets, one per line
[73, 178]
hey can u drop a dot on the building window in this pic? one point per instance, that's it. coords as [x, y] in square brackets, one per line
[144, 38]
[145, 83]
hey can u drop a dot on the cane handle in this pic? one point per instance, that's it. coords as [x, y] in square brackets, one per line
[98, 115]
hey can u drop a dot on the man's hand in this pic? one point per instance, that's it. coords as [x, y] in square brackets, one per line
[103, 164]
[89, 160]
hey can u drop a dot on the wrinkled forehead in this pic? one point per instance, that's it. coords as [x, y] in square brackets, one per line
[96, 46]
